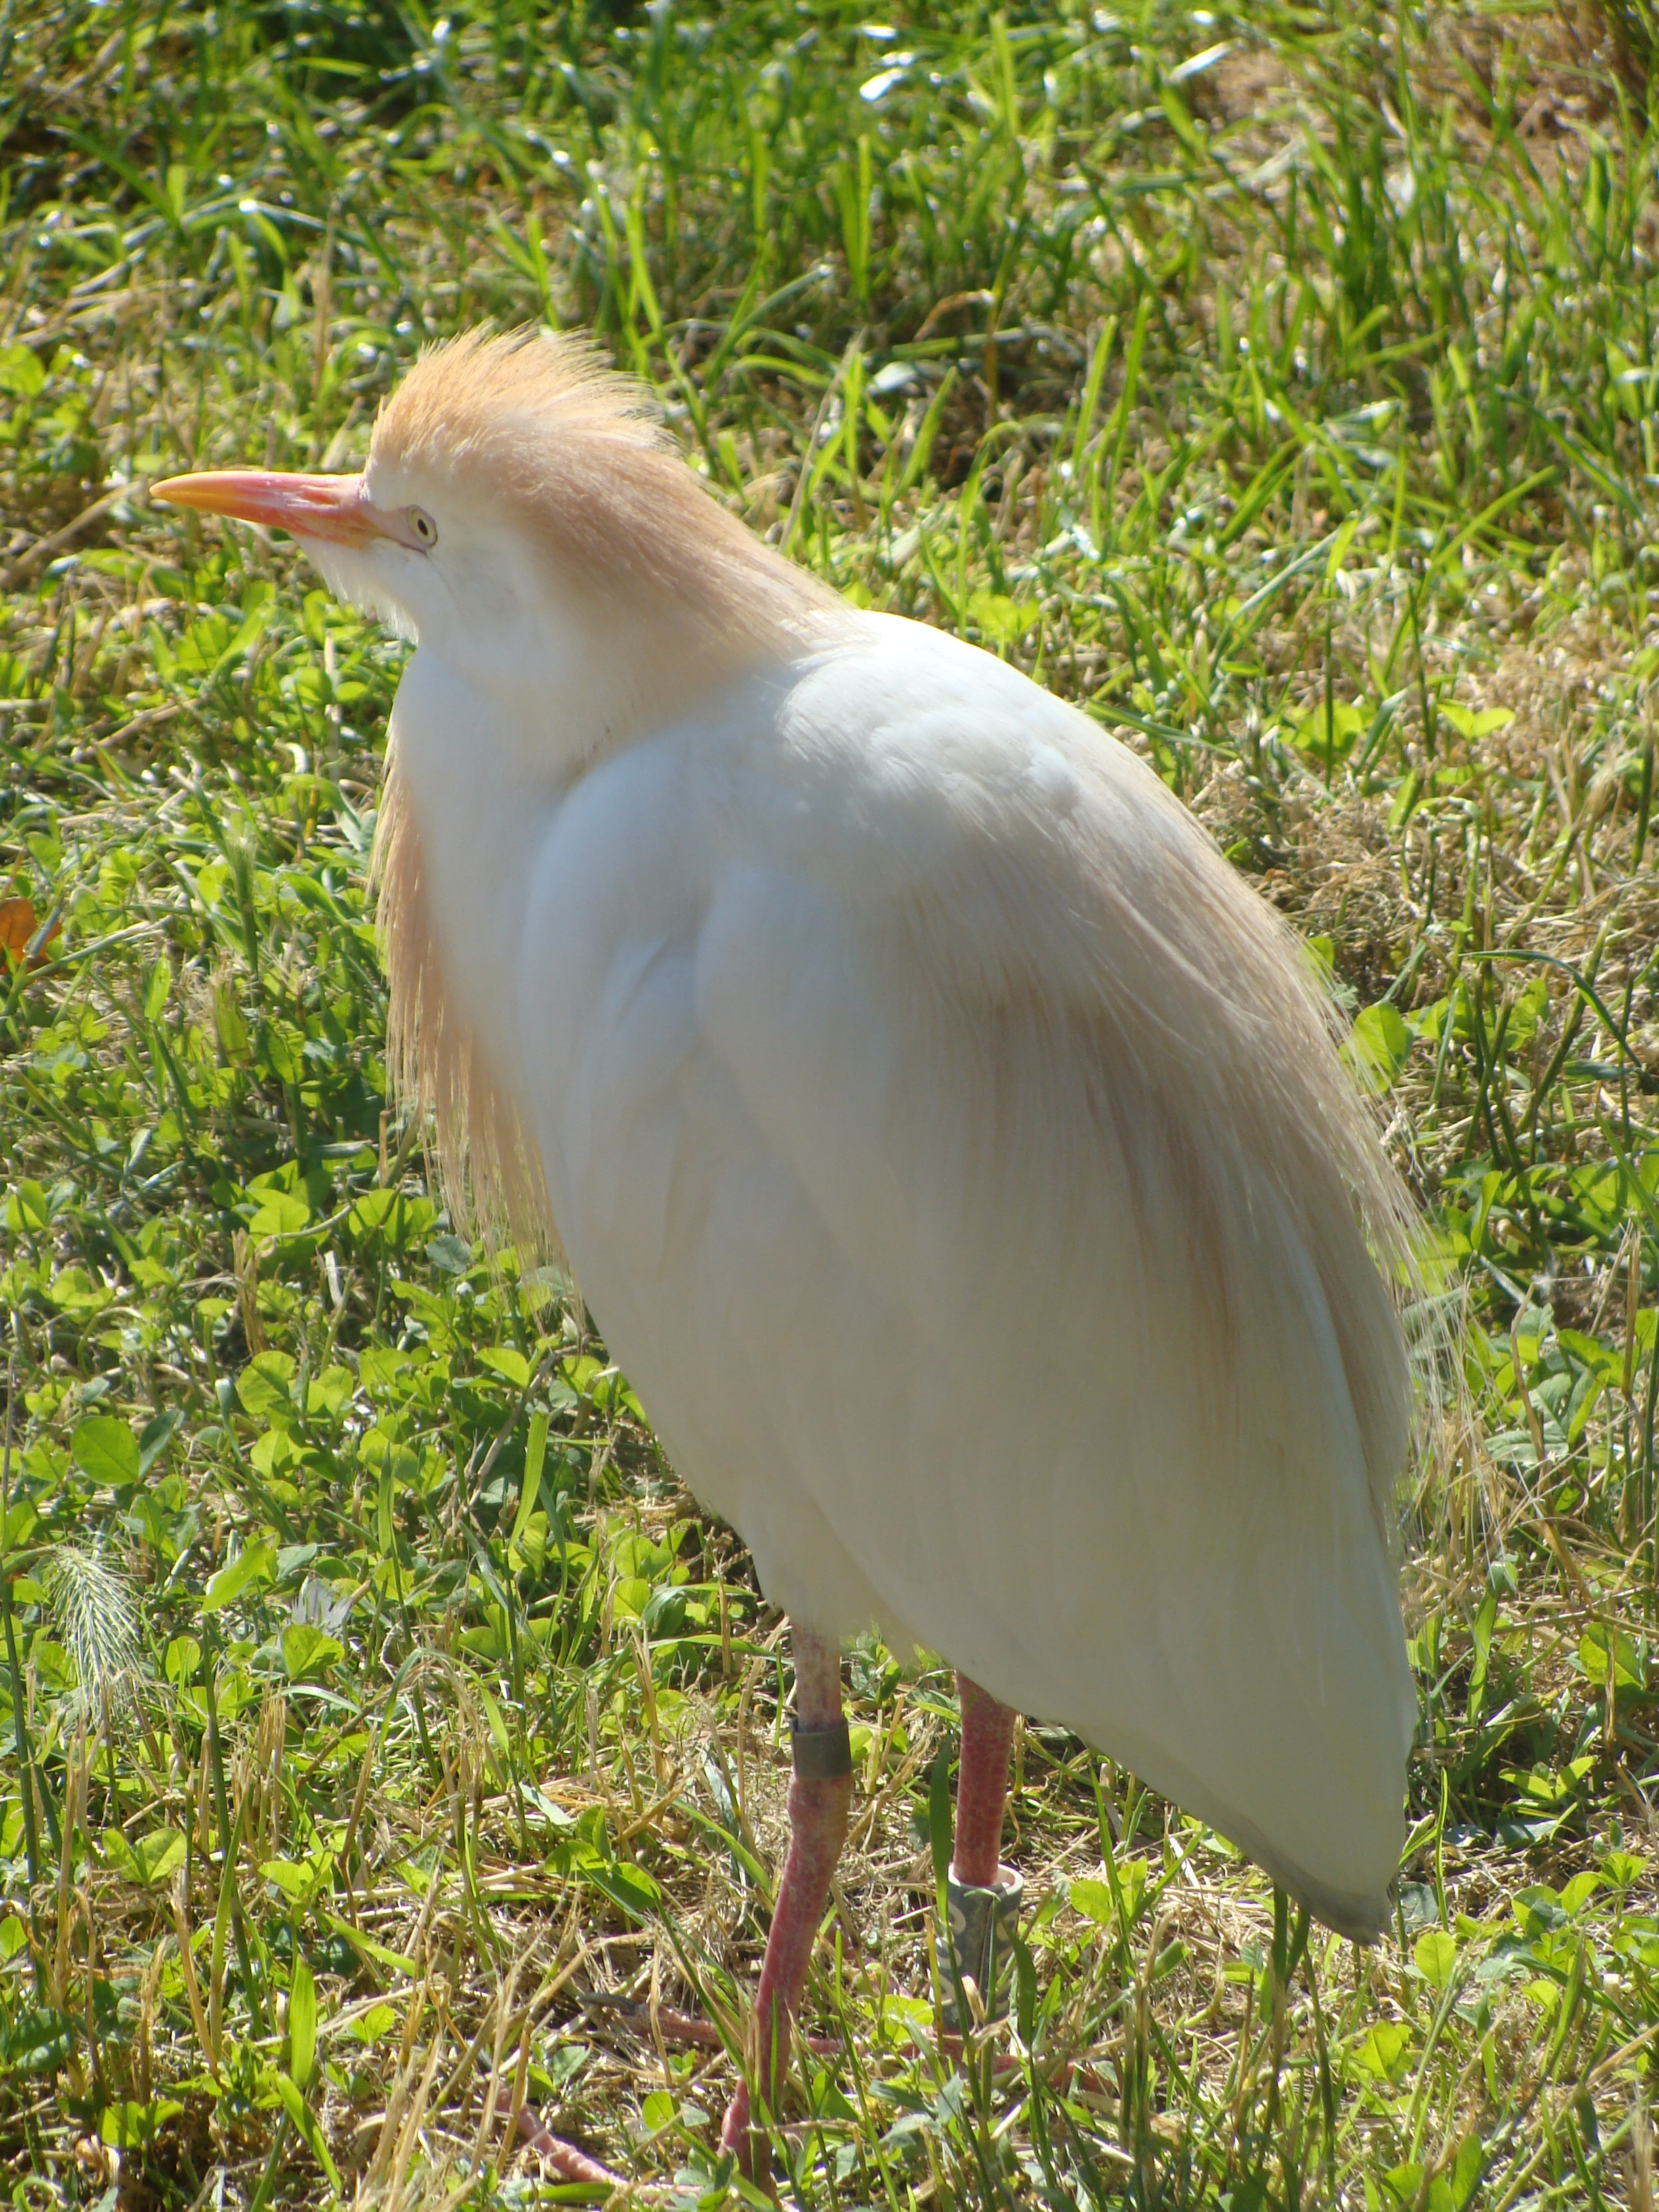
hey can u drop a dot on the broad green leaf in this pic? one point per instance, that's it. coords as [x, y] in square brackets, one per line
[21, 376]
[389, 1213]
[1579, 1890]
[157, 1854]
[628, 1886]
[1476, 722]
[630, 1594]
[329, 1393]
[1628, 1672]
[998, 619]
[1377, 1046]
[131, 2126]
[27, 1209]
[369, 1213]
[38, 2041]
[308, 1652]
[502, 1359]
[299, 1880]
[74, 1292]
[612, 1393]
[1589, 1351]
[1319, 733]
[1385, 2051]
[262, 1385]
[1436, 1954]
[1527, 1009]
[279, 1214]
[383, 1370]
[106, 1449]
[1094, 1901]
[256, 1563]
[1463, 2178]
[149, 1862]
[1320, 953]
[273, 1451]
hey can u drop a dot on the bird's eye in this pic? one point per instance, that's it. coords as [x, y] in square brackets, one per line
[423, 527]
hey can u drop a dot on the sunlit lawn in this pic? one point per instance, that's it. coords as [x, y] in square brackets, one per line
[403, 1746]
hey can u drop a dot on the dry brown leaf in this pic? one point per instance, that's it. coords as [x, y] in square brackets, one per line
[18, 925]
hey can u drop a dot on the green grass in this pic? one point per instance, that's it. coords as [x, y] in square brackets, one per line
[401, 1740]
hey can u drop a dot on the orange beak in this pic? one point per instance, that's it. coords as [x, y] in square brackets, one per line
[333, 509]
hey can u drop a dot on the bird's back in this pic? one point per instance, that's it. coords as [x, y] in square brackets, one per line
[953, 1151]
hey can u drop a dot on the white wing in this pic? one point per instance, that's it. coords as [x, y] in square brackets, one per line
[950, 1150]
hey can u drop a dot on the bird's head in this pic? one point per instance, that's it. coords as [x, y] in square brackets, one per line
[522, 518]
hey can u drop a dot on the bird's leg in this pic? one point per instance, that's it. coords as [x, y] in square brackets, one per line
[988, 1735]
[982, 1895]
[820, 1797]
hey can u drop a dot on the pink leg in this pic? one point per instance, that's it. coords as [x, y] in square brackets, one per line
[818, 1828]
[987, 1734]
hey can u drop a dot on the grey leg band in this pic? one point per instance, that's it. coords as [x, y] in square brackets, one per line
[981, 1924]
[821, 1754]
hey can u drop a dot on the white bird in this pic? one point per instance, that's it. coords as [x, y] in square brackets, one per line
[952, 1147]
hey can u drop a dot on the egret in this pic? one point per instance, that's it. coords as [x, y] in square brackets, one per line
[951, 1146]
